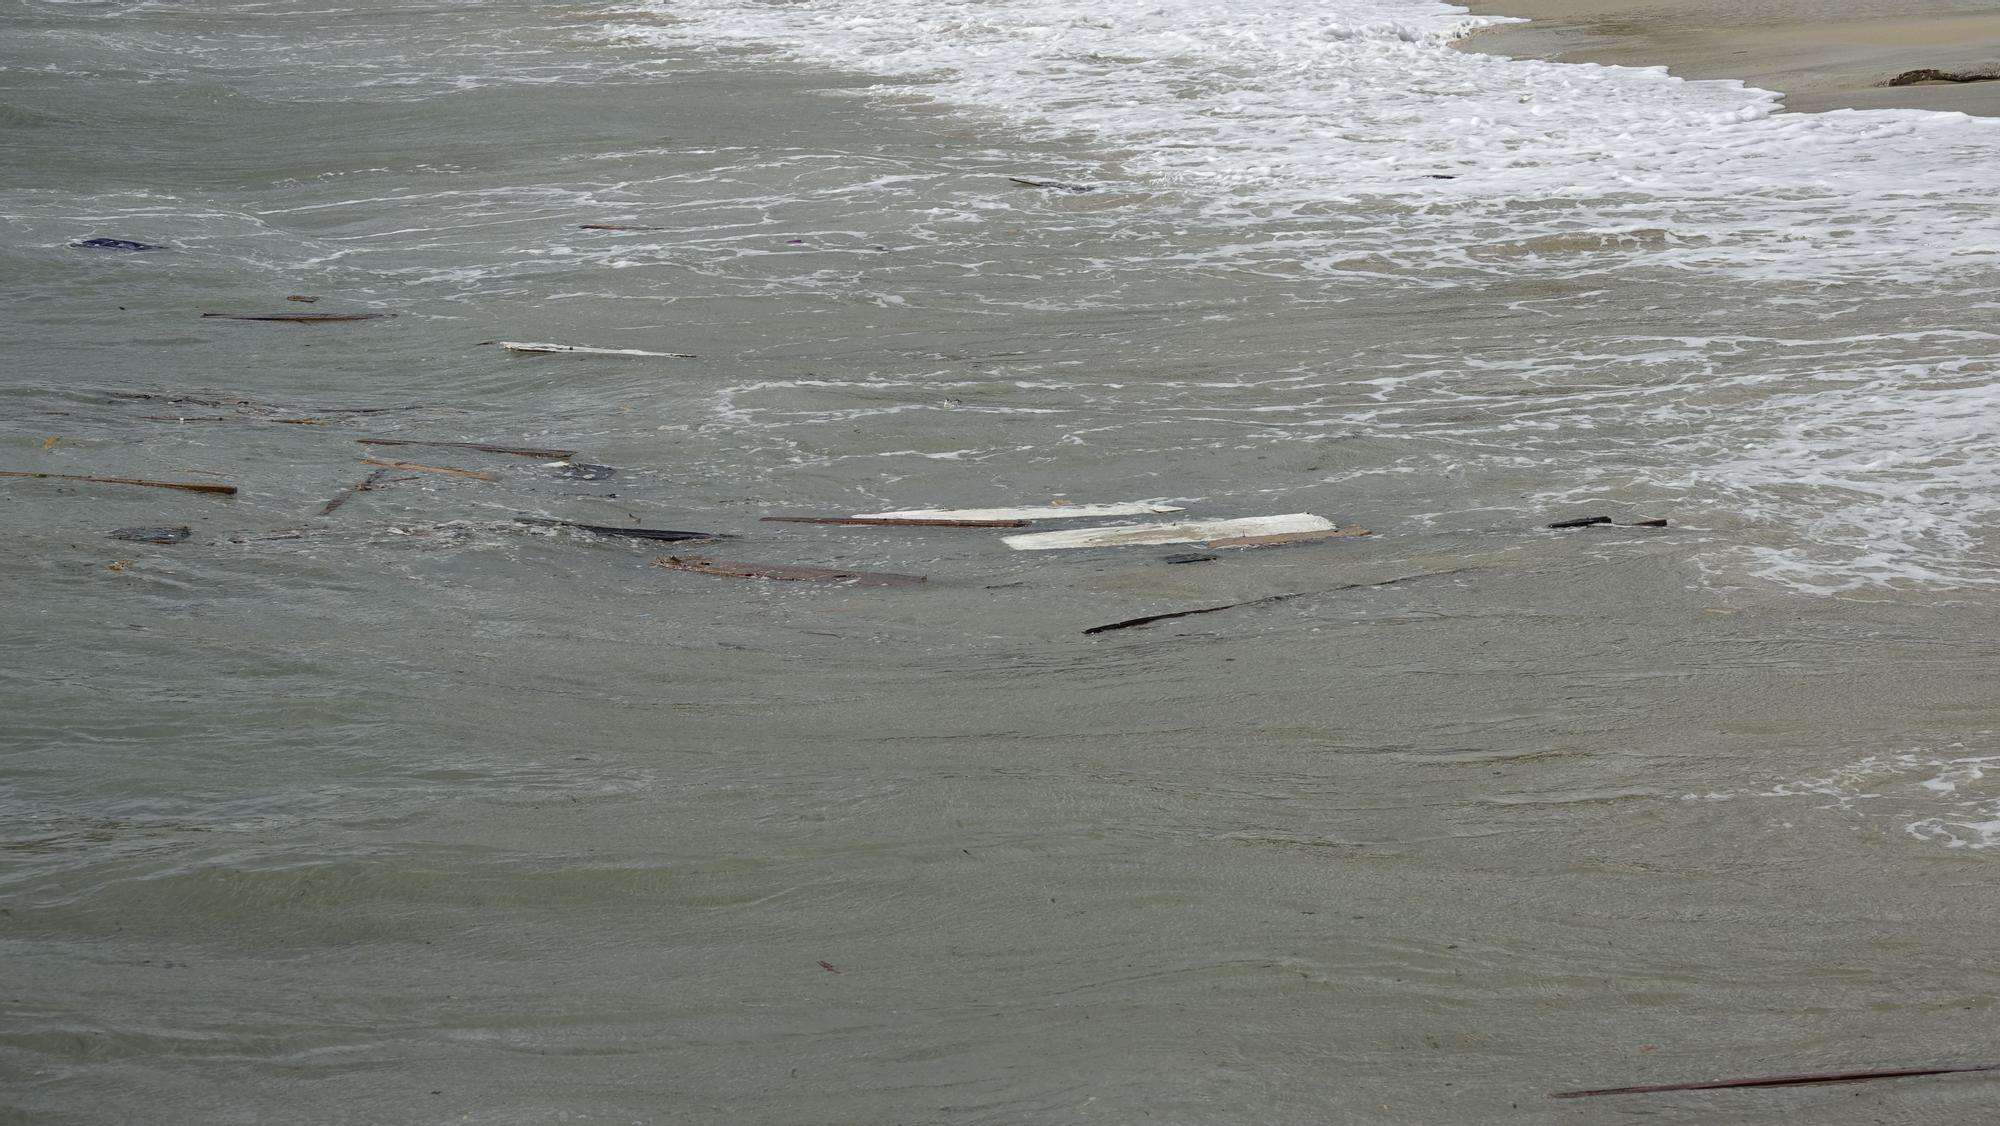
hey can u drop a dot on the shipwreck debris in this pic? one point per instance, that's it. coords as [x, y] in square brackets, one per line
[1282, 538]
[297, 318]
[367, 484]
[161, 535]
[443, 470]
[1031, 512]
[483, 447]
[1053, 185]
[1195, 531]
[114, 244]
[1270, 599]
[1190, 557]
[669, 534]
[703, 565]
[1606, 522]
[892, 522]
[185, 486]
[587, 350]
[1778, 1081]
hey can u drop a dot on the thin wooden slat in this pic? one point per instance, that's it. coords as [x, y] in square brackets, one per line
[1198, 531]
[413, 466]
[667, 534]
[515, 451]
[297, 318]
[1031, 512]
[702, 565]
[185, 486]
[588, 350]
[866, 521]
[1289, 537]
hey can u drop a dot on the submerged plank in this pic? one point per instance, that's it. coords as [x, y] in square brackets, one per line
[669, 534]
[783, 573]
[297, 318]
[1289, 537]
[1032, 512]
[517, 451]
[884, 521]
[184, 486]
[588, 350]
[442, 469]
[1195, 531]
[1778, 1081]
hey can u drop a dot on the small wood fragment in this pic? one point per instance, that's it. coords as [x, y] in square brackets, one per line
[827, 966]
[516, 451]
[1191, 557]
[1645, 524]
[49, 442]
[669, 534]
[185, 486]
[366, 484]
[414, 467]
[1777, 1081]
[866, 521]
[161, 535]
[297, 318]
[301, 298]
[782, 573]
[1289, 537]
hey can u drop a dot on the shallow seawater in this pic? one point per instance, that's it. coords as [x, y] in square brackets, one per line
[411, 812]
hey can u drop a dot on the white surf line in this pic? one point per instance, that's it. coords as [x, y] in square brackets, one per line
[520, 346]
[1198, 531]
[1041, 512]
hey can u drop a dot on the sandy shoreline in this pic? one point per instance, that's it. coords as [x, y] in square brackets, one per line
[1821, 54]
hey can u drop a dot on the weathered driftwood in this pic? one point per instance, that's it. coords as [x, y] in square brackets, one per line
[866, 521]
[1777, 1081]
[1032, 512]
[1283, 538]
[442, 469]
[184, 486]
[1581, 522]
[1195, 531]
[1131, 623]
[516, 451]
[668, 534]
[364, 485]
[297, 318]
[782, 573]
[587, 350]
[246, 404]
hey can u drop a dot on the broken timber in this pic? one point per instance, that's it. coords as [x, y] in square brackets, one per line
[587, 350]
[185, 486]
[882, 521]
[1133, 623]
[1283, 538]
[668, 534]
[1777, 1081]
[442, 469]
[367, 484]
[516, 451]
[297, 318]
[702, 565]
[1033, 512]
[1198, 531]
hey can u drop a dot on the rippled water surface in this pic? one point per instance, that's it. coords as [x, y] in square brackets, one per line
[410, 812]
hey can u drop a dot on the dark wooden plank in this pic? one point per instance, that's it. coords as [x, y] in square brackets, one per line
[1776, 1081]
[892, 522]
[1289, 537]
[668, 534]
[297, 318]
[550, 454]
[184, 486]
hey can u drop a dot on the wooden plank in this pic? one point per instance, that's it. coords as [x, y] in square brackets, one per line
[1289, 537]
[297, 318]
[702, 565]
[865, 521]
[1197, 531]
[668, 534]
[1777, 1081]
[516, 451]
[588, 350]
[445, 470]
[1149, 619]
[1032, 512]
[184, 486]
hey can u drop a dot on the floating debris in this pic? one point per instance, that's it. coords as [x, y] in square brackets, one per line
[584, 471]
[781, 573]
[587, 350]
[49, 442]
[301, 298]
[1778, 1081]
[1033, 512]
[161, 535]
[367, 484]
[1191, 557]
[1198, 531]
[893, 522]
[185, 486]
[615, 227]
[1581, 522]
[515, 451]
[1283, 538]
[669, 534]
[1149, 619]
[297, 318]
[1054, 185]
[440, 469]
[114, 244]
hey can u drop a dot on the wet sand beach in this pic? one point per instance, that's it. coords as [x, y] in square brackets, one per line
[1821, 54]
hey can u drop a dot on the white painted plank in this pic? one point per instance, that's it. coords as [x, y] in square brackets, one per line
[521, 346]
[1196, 531]
[1041, 512]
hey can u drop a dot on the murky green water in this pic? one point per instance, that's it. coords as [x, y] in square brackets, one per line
[411, 814]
